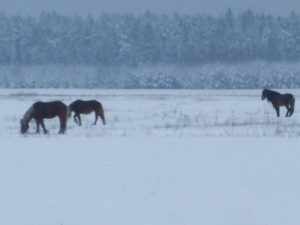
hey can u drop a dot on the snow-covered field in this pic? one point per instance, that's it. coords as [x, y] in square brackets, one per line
[164, 158]
[158, 113]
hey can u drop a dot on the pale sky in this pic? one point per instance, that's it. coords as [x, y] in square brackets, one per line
[96, 7]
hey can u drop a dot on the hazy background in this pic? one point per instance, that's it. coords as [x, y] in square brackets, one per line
[95, 7]
[209, 44]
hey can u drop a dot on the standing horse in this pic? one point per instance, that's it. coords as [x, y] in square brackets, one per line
[45, 110]
[278, 100]
[86, 107]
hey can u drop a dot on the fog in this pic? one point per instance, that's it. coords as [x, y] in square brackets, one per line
[96, 7]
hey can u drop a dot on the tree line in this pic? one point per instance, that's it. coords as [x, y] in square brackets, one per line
[148, 38]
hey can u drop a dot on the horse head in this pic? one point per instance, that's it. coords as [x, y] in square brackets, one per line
[24, 126]
[264, 94]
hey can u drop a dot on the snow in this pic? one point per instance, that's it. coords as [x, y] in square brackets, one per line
[164, 157]
[158, 113]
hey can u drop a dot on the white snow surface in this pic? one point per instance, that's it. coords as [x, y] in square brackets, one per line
[170, 157]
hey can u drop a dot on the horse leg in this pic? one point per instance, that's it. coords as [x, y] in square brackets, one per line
[96, 118]
[79, 119]
[37, 126]
[288, 112]
[43, 126]
[277, 109]
[100, 113]
[103, 119]
[63, 125]
[290, 107]
[75, 118]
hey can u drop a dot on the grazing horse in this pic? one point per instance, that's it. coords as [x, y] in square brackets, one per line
[278, 100]
[45, 110]
[86, 107]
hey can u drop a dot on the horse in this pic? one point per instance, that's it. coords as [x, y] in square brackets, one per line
[45, 110]
[86, 107]
[278, 100]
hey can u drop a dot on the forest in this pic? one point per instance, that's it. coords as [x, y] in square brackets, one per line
[142, 42]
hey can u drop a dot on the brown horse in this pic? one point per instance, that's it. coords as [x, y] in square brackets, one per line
[278, 100]
[86, 107]
[45, 110]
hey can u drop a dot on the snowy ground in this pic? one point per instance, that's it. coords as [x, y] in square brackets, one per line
[164, 158]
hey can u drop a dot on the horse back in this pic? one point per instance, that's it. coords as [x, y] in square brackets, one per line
[85, 107]
[50, 109]
[283, 99]
[288, 96]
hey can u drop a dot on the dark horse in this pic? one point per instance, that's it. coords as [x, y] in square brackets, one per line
[45, 110]
[86, 107]
[278, 100]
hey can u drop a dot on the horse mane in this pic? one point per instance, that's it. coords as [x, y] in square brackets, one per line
[28, 115]
[270, 94]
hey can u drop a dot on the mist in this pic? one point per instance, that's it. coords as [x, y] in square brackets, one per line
[96, 7]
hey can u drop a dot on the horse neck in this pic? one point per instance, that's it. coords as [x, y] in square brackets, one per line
[271, 95]
[28, 115]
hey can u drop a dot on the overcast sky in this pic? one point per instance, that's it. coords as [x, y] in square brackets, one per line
[96, 7]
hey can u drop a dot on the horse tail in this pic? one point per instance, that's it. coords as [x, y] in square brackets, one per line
[69, 112]
[63, 117]
[70, 107]
[101, 114]
[292, 105]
